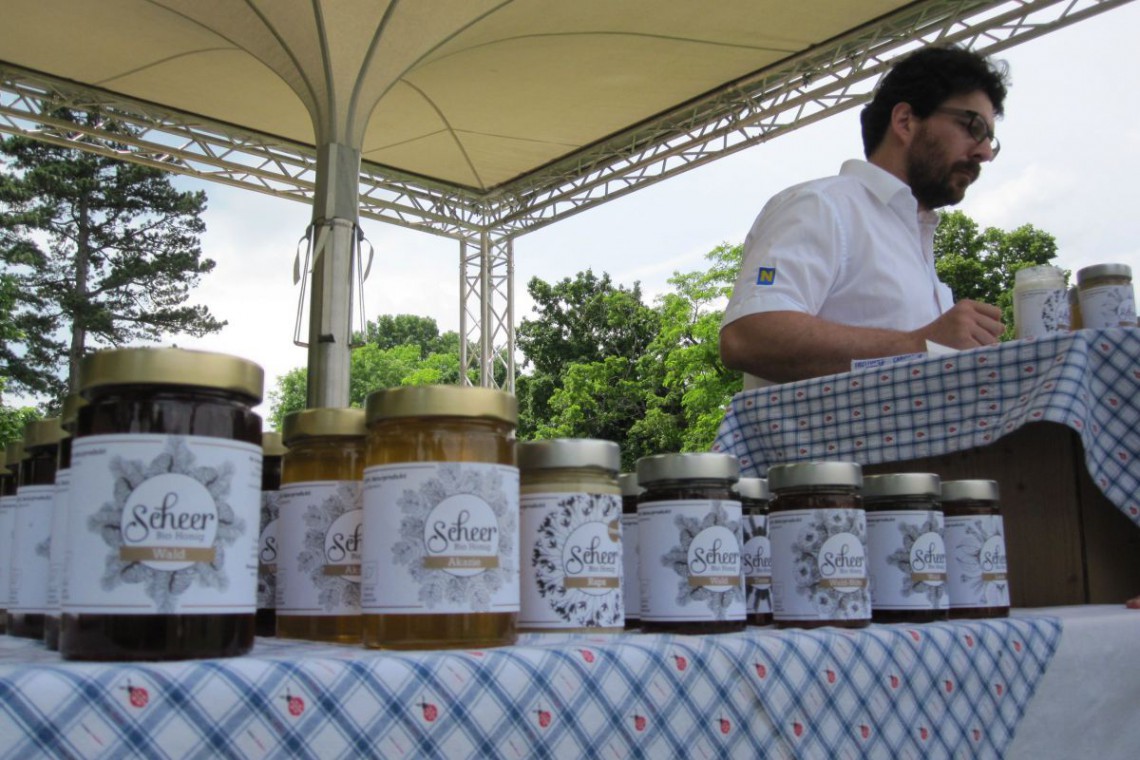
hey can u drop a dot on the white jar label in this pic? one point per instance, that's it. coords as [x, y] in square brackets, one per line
[631, 572]
[31, 547]
[58, 548]
[7, 528]
[1108, 306]
[571, 561]
[1040, 311]
[441, 538]
[907, 560]
[173, 521]
[690, 561]
[319, 541]
[267, 550]
[757, 564]
[819, 568]
[976, 561]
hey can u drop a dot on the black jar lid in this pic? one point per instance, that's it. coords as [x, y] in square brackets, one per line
[171, 366]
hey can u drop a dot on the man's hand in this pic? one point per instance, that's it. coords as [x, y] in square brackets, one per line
[967, 324]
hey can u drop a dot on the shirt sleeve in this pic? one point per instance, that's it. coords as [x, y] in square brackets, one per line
[793, 256]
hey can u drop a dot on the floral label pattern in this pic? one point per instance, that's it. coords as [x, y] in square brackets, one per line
[319, 536]
[267, 546]
[58, 539]
[907, 560]
[1108, 306]
[690, 556]
[631, 571]
[572, 568]
[441, 538]
[31, 540]
[1041, 311]
[757, 562]
[976, 561]
[175, 518]
[819, 567]
[7, 524]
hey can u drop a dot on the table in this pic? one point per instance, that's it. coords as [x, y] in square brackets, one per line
[1056, 421]
[900, 691]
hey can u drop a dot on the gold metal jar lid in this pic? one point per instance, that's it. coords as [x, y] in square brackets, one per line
[70, 411]
[322, 423]
[782, 477]
[753, 488]
[1096, 271]
[42, 433]
[627, 482]
[14, 453]
[172, 366]
[442, 401]
[969, 490]
[692, 466]
[271, 444]
[556, 453]
[901, 484]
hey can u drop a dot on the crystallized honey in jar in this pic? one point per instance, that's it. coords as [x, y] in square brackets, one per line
[272, 451]
[60, 507]
[689, 522]
[165, 488]
[441, 499]
[319, 526]
[31, 530]
[570, 536]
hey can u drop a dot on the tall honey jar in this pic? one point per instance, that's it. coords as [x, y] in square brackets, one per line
[689, 523]
[757, 552]
[818, 529]
[320, 530]
[272, 454]
[57, 550]
[906, 553]
[162, 532]
[441, 498]
[976, 562]
[570, 536]
[631, 572]
[9, 483]
[31, 529]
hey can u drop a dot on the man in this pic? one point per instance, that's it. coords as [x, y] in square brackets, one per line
[842, 268]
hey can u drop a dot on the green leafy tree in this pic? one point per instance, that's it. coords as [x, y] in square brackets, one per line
[105, 253]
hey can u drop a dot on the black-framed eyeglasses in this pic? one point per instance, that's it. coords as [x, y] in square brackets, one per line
[975, 125]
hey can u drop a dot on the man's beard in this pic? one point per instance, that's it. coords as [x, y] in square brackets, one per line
[932, 182]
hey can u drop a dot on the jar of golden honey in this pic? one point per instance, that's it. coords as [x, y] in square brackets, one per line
[570, 536]
[31, 529]
[9, 484]
[977, 567]
[60, 507]
[319, 529]
[689, 523]
[441, 498]
[631, 572]
[165, 479]
[272, 454]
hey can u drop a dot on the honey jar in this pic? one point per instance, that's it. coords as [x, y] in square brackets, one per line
[9, 484]
[757, 554]
[441, 499]
[320, 526]
[818, 530]
[906, 553]
[631, 573]
[272, 453]
[165, 477]
[31, 529]
[60, 507]
[976, 561]
[689, 524]
[1106, 296]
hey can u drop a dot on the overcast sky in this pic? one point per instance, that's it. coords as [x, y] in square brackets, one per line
[1069, 165]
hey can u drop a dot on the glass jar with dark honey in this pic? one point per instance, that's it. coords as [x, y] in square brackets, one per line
[906, 553]
[631, 573]
[757, 554]
[9, 484]
[441, 495]
[570, 536]
[689, 524]
[320, 532]
[31, 529]
[60, 506]
[975, 549]
[272, 453]
[165, 484]
[818, 530]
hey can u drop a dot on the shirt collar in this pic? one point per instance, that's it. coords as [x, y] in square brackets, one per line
[885, 186]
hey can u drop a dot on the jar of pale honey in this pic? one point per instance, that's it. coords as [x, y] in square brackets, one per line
[441, 501]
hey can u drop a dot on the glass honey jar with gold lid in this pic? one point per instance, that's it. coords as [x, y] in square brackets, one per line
[320, 530]
[441, 498]
[272, 454]
[165, 483]
[31, 529]
[571, 537]
[9, 484]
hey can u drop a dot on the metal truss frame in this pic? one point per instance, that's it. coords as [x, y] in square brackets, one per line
[798, 91]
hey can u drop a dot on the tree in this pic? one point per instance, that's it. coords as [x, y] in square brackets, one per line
[103, 251]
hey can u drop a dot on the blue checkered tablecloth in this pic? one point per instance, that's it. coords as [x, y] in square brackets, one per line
[930, 691]
[1088, 380]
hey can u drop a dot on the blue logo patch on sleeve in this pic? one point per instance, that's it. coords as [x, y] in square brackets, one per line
[766, 276]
